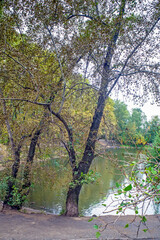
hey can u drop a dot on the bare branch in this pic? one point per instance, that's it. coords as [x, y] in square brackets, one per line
[8, 125]
[86, 16]
[87, 64]
[130, 55]
[19, 64]
[70, 147]
[82, 83]
[25, 100]
[97, 10]
[61, 68]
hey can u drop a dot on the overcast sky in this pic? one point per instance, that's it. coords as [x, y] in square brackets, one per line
[149, 109]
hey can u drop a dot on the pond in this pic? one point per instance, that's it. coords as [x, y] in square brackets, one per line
[53, 177]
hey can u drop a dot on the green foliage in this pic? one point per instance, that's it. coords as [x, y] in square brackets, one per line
[144, 184]
[90, 220]
[17, 197]
[95, 226]
[138, 117]
[1, 8]
[153, 127]
[128, 188]
[62, 212]
[154, 152]
[133, 129]
[98, 234]
[108, 124]
[3, 186]
[90, 177]
[122, 115]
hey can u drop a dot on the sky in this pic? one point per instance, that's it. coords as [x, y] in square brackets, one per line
[149, 109]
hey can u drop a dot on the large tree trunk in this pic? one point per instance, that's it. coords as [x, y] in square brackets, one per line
[88, 156]
[72, 201]
[29, 162]
[75, 188]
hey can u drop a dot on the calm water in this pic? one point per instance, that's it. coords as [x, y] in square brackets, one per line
[52, 178]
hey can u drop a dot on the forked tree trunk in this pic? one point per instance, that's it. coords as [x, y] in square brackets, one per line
[24, 191]
[83, 167]
[88, 156]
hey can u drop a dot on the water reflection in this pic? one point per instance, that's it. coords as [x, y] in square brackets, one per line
[49, 192]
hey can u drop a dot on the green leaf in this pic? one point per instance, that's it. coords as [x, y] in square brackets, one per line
[104, 205]
[128, 188]
[127, 225]
[153, 171]
[117, 185]
[120, 209]
[90, 220]
[119, 191]
[145, 230]
[95, 226]
[144, 219]
[98, 234]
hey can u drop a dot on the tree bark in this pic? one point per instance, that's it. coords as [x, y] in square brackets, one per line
[29, 161]
[72, 201]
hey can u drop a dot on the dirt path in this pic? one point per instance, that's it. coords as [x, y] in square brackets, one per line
[35, 226]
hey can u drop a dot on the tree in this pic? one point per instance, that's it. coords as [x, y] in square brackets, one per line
[108, 123]
[112, 41]
[23, 124]
[84, 164]
[123, 117]
[153, 128]
[139, 118]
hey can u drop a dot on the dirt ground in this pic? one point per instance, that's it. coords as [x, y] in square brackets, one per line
[33, 225]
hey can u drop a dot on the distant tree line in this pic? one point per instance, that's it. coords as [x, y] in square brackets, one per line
[132, 128]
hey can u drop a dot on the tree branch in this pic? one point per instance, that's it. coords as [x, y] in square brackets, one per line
[25, 100]
[130, 55]
[86, 16]
[61, 68]
[19, 63]
[70, 147]
[8, 125]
